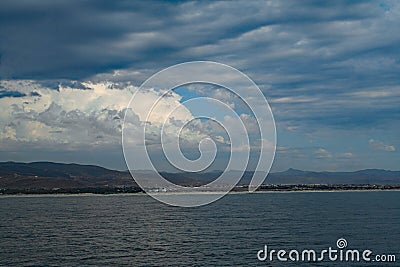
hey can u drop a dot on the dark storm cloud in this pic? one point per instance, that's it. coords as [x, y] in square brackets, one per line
[76, 39]
[55, 84]
[297, 48]
[4, 93]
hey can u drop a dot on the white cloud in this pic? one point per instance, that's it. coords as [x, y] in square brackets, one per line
[378, 145]
[292, 128]
[8, 133]
[347, 155]
[322, 153]
[290, 99]
[71, 116]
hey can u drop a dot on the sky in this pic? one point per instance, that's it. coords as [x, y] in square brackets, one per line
[329, 70]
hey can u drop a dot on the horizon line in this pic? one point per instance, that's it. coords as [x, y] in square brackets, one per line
[124, 170]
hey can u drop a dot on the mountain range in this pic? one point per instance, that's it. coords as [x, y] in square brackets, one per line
[50, 175]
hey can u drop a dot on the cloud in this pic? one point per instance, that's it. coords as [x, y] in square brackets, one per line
[378, 145]
[334, 69]
[292, 128]
[4, 93]
[64, 116]
[347, 155]
[71, 116]
[82, 116]
[322, 153]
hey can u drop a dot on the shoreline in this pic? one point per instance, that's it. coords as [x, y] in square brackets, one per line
[22, 195]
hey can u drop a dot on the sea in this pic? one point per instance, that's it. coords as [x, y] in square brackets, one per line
[237, 230]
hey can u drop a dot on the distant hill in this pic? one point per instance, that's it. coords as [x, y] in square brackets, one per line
[369, 176]
[50, 175]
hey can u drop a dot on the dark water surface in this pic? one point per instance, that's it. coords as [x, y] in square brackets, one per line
[135, 230]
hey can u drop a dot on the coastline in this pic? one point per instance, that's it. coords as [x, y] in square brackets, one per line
[24, 195]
